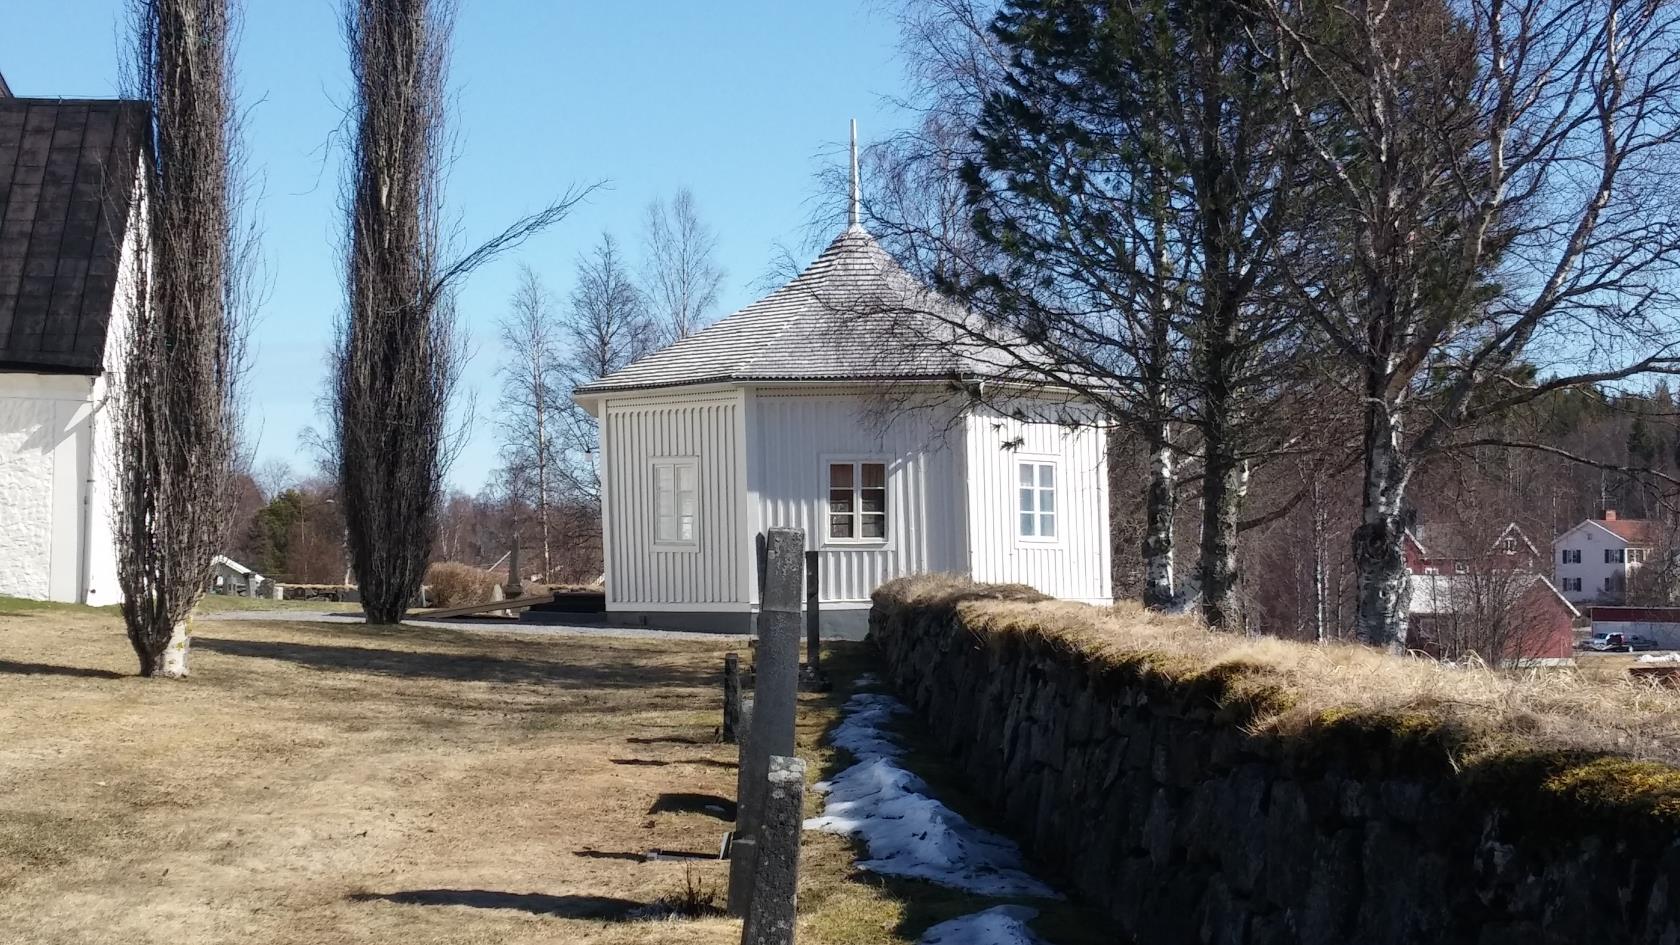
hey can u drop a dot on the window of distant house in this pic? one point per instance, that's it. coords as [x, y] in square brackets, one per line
[1508, 545]
[675, 501]
[1461, 567]
[1636, 555]
[1036, 500]
[1571, 584]
[1571, 556]
[857, 501]
[1613, 556]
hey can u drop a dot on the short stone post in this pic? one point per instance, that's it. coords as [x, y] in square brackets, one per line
[775, 697]
[770, 915]
[742, 845]
[811, 678]
[731, 696]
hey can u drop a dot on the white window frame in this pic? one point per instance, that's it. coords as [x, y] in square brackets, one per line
[663, 541]
[1037, 461]
[857, 461]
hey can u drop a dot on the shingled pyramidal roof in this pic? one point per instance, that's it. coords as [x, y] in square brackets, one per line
[853, 314]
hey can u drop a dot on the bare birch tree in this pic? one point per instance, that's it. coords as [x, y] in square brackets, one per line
[1498, 171]
[177, 393]
[681, 275]
[532, 386]
[606, 327]
[399, 353]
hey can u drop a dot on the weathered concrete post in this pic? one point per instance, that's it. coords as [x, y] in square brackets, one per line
[813, 615]
[731, 696]
[742, 846]
[775, 895]
[775, 698]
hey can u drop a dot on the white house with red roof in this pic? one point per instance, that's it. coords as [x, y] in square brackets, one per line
[849, 404]
[1597, 559]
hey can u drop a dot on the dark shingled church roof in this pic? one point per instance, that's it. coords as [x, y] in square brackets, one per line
[67, 172]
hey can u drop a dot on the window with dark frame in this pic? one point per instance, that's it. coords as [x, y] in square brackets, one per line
[857, 501]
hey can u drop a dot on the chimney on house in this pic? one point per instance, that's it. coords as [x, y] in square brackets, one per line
[1609, 515]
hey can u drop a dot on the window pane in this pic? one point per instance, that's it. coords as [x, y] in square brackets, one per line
[663, 498]
[1047, 476]
[839, 526]
[840, 500]
[873, 500]
[685, 529]
[1026, 500]
[1027, 519]
[840, 475]
[874, 526]
[1047, 526]
[1026, 474]
[1047, 500]
[874, 475]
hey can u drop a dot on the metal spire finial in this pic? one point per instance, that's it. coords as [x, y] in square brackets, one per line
[855, 216]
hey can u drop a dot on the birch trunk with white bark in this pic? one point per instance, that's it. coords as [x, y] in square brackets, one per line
[1224, 484]
[1159, 501]
[1378, 542]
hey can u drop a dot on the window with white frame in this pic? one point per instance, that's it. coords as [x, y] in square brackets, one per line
[1036, 499]
[857, 501]
[1612, 556]
[1571, 556]
[1636, 555]
[1571, 584]
[675, 501]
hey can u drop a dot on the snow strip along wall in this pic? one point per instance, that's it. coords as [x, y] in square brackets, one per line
[1152, 798]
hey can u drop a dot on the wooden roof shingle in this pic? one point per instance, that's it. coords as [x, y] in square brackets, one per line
[853, 315]
[67, 184]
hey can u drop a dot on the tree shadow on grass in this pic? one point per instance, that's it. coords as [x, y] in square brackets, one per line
[607, 908]
[10, 667]
[710, 805]
[464, 667]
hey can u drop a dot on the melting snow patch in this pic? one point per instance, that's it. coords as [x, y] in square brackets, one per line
[907, 831]
[1001, 925]
[1659, 658]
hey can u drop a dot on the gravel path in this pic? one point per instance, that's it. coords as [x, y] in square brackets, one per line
[489, 625]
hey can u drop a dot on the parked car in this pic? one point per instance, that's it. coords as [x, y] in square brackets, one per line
[1618, 643]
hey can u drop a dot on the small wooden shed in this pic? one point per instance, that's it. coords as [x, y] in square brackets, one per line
[844, 403]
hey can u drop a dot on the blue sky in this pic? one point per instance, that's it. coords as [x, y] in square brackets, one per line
[742, 102]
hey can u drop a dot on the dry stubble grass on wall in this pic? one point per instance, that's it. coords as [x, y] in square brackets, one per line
[1572, 738]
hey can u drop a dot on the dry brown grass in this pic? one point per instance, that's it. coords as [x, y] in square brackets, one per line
[1303, 689]
[332, 784]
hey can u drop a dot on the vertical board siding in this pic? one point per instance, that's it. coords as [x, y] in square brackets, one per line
[792, 436]
[1076, 566]
[638, 431]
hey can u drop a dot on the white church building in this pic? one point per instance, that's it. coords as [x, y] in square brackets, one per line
[842, 404]
[68, 173]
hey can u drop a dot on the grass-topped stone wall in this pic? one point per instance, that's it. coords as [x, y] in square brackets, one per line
[1206, 787]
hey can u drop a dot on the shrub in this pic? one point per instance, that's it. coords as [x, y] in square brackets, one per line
[455, 585]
